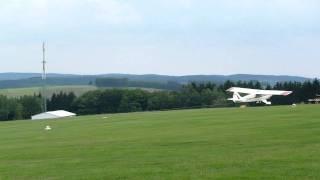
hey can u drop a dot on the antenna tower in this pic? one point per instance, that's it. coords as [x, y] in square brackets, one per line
[44, 77]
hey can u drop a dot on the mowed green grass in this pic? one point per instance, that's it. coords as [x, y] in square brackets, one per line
[77, 89]
[251, 143]
[17, 92]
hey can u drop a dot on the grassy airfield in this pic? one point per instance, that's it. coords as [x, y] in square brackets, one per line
[251, 143]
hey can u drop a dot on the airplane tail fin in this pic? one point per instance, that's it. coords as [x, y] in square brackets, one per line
[236, 97]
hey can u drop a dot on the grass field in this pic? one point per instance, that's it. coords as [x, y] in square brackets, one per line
[78, 90]
[17, 92]
[251, 143]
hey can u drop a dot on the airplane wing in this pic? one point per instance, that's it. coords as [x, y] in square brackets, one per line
[258, 91]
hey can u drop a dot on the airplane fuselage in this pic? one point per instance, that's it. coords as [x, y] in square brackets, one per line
[254, 95]
[250, 98]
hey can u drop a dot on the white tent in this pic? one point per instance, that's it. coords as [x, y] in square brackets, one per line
[53, 115]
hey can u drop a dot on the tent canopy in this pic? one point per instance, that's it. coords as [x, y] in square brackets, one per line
[53, 115]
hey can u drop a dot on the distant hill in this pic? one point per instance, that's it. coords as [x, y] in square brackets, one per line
[19, 80]
[271, 79]
[52, 81]
[18, 92]
[17, 76]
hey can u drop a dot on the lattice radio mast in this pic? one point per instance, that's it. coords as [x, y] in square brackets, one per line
[44, 78]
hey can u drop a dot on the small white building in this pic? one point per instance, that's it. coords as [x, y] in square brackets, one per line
[53, 115]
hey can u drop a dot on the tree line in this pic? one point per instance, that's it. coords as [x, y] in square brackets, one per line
[193, 95]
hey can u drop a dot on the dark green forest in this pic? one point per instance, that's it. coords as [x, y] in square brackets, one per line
[193, 95]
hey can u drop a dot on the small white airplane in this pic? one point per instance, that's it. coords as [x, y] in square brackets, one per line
[254, 95]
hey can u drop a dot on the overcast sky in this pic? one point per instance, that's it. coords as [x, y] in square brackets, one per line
[175, 37]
